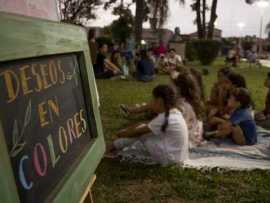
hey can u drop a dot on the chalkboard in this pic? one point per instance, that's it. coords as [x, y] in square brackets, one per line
[45, 122]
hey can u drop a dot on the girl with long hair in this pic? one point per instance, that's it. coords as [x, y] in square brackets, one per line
[164, 140]
[190, 104]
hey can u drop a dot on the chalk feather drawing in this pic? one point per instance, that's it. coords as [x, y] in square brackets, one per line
[17, 138]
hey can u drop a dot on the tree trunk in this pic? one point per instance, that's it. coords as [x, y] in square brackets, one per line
[213, 19]
[199, 19]
[139, 17]
[204, 19]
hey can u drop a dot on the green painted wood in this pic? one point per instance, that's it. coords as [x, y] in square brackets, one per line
[25, 37]
[8, 190]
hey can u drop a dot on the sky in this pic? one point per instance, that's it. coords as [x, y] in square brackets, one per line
[230, 14]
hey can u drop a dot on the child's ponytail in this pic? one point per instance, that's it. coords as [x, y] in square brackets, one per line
[166, 121]
[168, 96]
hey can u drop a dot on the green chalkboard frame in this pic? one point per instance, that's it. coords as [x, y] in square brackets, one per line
[26, 37]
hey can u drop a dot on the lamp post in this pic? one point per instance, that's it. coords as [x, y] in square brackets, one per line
[241, 26]
[262, 5]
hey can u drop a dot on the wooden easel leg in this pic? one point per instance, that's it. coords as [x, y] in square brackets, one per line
[91, 196]
[87, 196]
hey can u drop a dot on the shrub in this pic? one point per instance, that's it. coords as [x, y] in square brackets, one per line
[206, 50]
[105, 40]
[191, 54]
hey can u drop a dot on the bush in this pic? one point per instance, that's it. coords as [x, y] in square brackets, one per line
[191, 54]
[206, 50]
[105, 40]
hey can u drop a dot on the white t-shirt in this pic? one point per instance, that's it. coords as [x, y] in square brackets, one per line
[170, 146]
[177, 59]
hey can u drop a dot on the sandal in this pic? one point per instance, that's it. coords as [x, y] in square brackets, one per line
[123, 110]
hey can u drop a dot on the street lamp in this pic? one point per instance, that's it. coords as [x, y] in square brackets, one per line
[241, 26]
[262, 5]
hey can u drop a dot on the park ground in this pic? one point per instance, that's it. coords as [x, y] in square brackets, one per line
[122, 182]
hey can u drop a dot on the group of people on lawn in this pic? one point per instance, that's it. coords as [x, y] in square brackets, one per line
[147, 62]
[180, 116]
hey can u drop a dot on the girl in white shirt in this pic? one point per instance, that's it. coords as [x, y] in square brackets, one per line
[162, 141]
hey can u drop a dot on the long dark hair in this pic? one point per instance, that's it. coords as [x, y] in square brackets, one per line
[166, 93]
[242, 95]
[237, 80]
[199, 79]
[113, 58]
[188, 89]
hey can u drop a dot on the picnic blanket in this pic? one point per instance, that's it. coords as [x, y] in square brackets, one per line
[226, 155]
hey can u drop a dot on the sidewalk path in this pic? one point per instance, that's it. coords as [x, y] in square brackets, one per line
[265, 63]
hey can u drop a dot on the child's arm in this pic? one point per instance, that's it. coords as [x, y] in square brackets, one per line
[217, 121]
[134, 131]
[111, 66]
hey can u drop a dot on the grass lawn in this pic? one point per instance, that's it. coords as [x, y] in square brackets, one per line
[137, 183]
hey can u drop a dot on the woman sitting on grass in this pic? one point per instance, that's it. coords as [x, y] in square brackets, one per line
[164, 140]
[104, 68]
[188, 102]
[240, 126]
[116, 59]
[145, 68]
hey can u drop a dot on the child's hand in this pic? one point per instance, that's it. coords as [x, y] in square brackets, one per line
[226, 117]
[213, 112]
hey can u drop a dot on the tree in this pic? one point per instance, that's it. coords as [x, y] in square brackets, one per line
[140, 16]
[204, 8]
[200, 7]
[121, 28]
[154, 10]
[213, 18]
[196, 6]
[268, 30]
[72, 11]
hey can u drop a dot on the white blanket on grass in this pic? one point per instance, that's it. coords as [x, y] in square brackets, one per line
[226, 155]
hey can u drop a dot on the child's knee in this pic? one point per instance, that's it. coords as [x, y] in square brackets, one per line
[238, 136]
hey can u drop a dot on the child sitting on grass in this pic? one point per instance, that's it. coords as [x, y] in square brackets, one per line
[265, 114]
[189, 102]
[240, 126]
[228, 82]
[216, 97]
[162, 141]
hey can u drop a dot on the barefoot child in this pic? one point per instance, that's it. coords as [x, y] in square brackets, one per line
[164, 140]
[240, 126]
[189, 102]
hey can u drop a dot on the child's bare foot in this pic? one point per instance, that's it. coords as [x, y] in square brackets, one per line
[111, 155]
[111, 152]
[260, 117]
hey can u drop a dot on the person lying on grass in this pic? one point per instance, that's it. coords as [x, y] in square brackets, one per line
[188, 102]
[163, 141]
[265, 114]
[240, 126]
